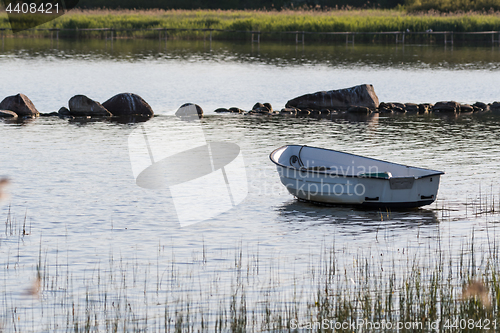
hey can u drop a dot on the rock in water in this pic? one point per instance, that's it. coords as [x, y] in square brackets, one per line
[20, 104]
[236, 110]
[127, 104]
[82, 106]
[258, 106]
[362, 95]
[190, 110]
[451, 106]
[64, 112]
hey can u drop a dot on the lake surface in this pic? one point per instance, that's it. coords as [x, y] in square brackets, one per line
[93, 235]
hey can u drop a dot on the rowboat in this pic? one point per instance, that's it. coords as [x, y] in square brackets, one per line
[328, 176]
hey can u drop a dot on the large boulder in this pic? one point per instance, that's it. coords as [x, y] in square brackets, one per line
[128, 104]
[82, 106]
[362, 95]
[20, 104]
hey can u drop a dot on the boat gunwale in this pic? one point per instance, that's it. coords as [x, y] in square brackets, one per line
[271, 157]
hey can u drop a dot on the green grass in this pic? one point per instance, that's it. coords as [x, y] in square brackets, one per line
[269, 21]
[439, 288]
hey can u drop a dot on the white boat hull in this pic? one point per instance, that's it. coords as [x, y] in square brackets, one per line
[333, 177]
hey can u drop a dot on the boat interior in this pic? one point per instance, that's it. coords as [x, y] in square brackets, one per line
[328, 161]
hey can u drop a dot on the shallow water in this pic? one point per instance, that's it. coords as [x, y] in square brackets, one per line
[86, 217]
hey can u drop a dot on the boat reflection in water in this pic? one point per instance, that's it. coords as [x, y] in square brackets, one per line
[345, 219]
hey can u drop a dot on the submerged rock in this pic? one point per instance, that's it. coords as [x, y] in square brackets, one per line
[82, 106]
[288, 111]
[303, 113]
[222, 110]
[495, 105]
[50, 114]
[411, 107]
[384, 110]
[362, 95]
[128, 104]
[466, 108]
[425, 107]
[236, 110]
[359, 109]
[20, 104]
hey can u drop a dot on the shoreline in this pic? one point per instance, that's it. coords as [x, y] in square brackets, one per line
[368, 25]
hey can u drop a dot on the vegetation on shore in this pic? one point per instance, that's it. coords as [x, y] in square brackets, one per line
[274, 25]
[440, 5]
[443, 292]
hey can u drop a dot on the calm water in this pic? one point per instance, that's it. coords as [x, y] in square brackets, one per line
[88, 221]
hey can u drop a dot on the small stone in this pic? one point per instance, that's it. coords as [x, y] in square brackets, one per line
[190, 110]
[236, 110]
[411, 107]
[495, 105]
[303, 113]
[358, 109]
[480, 105]
[288, 111]
[258, 106]
[424, 107]
[384, 110]
[466, 108]
[263, 110]
[222, 110]
[51, 114]
[386, 105]
[64, 112]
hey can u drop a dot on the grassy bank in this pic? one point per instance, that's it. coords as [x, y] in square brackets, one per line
[266, 21]
[441, 291]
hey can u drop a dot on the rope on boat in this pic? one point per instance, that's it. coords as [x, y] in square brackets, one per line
[294, 159]
[300, 160]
